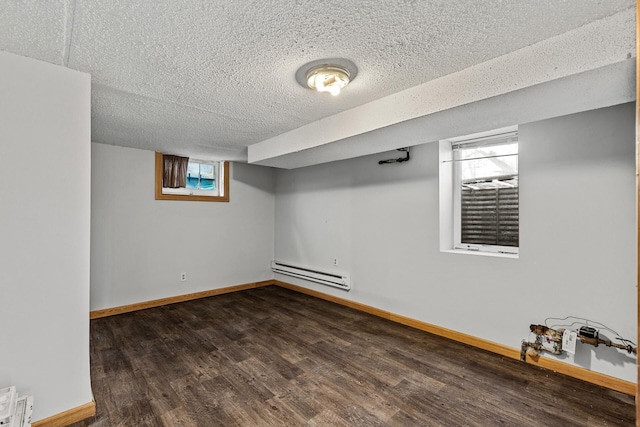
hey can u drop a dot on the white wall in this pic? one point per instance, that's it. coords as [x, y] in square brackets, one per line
[577, 250]
[141, 245]
[44, 233]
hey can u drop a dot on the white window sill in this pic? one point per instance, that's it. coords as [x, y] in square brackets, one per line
[190, 192]
[490, 254]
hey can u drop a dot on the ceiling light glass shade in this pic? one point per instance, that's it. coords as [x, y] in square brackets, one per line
[328, 78]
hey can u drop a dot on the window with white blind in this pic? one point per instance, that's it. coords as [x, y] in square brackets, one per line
[486, 193]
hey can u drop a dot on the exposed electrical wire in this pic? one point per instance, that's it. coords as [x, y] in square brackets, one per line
[585, 322]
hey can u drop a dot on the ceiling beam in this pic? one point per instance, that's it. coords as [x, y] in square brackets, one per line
[599, 50]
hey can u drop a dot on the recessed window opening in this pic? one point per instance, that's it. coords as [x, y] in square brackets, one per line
[486, 193]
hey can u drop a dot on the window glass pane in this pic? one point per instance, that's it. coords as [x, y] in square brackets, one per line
[207, 177]
[489, 194]
[193, 172]
[488, 162]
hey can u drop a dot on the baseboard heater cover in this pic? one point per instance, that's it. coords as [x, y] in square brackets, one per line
[329, 278]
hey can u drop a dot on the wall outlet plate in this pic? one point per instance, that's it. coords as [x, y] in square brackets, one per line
[569, 339]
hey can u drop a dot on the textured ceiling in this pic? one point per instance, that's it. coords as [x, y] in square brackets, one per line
[210, 78]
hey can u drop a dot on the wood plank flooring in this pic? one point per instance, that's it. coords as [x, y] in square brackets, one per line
[273, 357]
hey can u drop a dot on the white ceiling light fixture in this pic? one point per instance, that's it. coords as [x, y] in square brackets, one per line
[328, 78]
[327, 75]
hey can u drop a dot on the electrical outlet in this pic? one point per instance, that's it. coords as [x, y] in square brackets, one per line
[335, 261]
[183, 277]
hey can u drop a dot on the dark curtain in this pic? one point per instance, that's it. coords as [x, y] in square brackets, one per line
[175, 171]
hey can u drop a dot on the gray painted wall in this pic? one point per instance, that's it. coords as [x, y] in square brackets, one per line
[577, 251]
[141, 245]
[44, 227]
[577, 255]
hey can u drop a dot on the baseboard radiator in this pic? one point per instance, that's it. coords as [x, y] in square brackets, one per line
[329, 278]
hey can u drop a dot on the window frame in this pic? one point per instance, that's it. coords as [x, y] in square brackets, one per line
[456, 192]
[196, 195]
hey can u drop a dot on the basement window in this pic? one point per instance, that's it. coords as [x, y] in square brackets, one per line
[484, 192]
[181, 178]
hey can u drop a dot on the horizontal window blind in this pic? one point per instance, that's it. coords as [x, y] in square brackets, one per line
[490, 216]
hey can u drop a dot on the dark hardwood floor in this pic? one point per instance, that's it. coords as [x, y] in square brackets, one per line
[274, 357]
